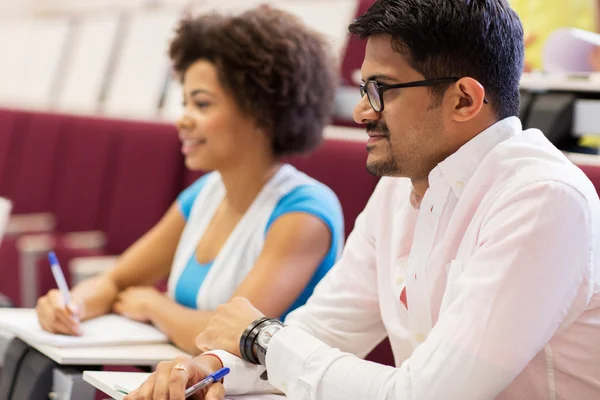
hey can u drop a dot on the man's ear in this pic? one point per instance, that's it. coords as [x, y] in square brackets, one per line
[468, 97]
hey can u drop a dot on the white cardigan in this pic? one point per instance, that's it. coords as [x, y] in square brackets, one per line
[244, 244]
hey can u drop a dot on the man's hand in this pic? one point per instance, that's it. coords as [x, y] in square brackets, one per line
[134, 302]
[225, 329]
[172, 378]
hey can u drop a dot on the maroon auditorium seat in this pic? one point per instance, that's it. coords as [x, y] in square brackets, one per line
[352, 62]
[355, 50]
[81, 188]
[143, 178]
[32, 161]
[10, 121]
[8, 250]
[593, 172]
[190, 177]
[11, 278]
[28, 182]
[340, 164]
[87, 153]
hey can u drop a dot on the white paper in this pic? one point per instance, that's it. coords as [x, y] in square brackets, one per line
[107, 330]
[568, 50]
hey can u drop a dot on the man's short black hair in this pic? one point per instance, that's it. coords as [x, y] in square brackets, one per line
[481, 39]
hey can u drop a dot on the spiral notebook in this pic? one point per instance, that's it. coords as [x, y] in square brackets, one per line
[107, 330]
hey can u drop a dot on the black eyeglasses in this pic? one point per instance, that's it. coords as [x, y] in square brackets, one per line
[374, 90]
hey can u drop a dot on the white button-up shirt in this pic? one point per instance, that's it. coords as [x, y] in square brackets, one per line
[502, 278]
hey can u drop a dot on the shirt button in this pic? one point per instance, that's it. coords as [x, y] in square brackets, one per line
[399, 280]
[459, 185]
[419, 337]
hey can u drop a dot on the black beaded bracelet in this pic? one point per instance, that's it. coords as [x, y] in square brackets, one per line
[248, 338]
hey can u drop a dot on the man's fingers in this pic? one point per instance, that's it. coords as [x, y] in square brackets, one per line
[178, 382]
[145, 391]
[174, 377]
[215, 392]
[163, 376]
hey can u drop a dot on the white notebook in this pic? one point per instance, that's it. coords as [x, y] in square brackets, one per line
[107, 330]
[118, 384]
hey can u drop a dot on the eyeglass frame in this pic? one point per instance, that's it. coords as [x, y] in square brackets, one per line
[381, 88]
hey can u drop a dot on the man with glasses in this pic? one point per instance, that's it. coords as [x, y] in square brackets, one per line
[477, 255]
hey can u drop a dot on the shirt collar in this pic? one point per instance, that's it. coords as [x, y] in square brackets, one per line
[458, 168]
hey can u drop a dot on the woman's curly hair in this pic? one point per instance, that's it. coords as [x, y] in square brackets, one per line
[279, 71]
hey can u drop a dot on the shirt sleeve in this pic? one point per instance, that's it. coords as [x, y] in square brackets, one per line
[530, 277]
[186, 199]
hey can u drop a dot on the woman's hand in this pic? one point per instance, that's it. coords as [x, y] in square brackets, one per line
[56, 317]
[135, 302]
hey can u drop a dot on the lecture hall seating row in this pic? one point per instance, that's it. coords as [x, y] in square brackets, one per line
[117, 178]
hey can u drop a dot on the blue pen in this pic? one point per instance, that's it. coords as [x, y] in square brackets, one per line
[214, 377]
[59, 278]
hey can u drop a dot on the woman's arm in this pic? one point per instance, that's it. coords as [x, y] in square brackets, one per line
[295, 245]
[143, 263]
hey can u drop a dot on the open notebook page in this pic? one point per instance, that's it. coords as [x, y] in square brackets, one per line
[102, 331]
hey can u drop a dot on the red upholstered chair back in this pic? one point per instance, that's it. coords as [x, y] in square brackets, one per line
[340, 164]
[355, 50]
[190, 177]
[593, 173]
[81, 187]
[32, 161]
[144, 179]
[10, 120]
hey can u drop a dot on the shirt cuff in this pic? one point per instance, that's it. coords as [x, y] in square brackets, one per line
[243, 377]
[286, 360]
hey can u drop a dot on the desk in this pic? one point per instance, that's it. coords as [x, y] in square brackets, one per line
[138, 355]
[586, 112]
[541, 82]
[105, 381]
[67, 382]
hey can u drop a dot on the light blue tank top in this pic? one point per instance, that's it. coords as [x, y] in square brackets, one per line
[317, 200]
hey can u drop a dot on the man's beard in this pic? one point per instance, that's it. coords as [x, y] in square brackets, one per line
[388, 166]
